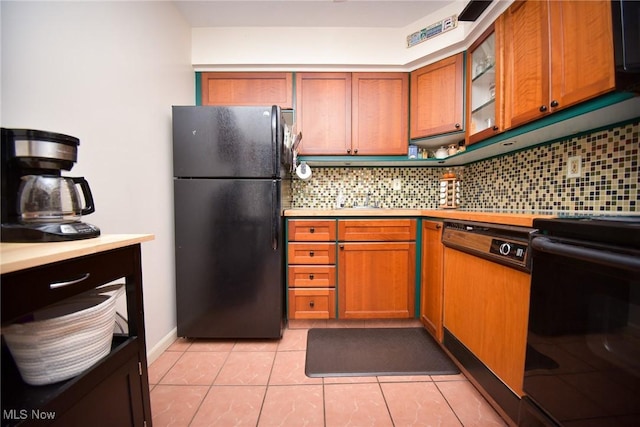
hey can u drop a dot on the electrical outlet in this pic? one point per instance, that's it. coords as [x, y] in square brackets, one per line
[574, 167]
[397, 184]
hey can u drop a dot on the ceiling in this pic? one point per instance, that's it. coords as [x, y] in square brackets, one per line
[309, 13]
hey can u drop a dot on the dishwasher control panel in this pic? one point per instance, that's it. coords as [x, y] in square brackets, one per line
[509, 249]
[504, 244]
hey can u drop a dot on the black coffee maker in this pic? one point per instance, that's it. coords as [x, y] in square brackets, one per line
[38, 203]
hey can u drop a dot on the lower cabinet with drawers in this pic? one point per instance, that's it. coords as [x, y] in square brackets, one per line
[311, 274]
[351, 268]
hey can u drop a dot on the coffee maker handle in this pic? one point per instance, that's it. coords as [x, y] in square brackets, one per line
[86, 193]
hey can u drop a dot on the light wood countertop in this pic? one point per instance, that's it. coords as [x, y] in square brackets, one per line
[519, 219]
[19, 256]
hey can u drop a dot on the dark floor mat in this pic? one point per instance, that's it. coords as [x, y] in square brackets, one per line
[346, 352]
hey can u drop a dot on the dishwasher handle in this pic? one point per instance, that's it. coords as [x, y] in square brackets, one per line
[597, 256]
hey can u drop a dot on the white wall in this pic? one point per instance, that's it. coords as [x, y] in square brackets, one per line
[108, 73]
[327, 49]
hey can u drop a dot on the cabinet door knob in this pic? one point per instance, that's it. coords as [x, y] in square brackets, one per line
[457, 125]
[311, 254]
[543, 108]
[311, 304]
[311, 277]
[496, 128]
[554, 103]
[438, 227]
[342, 247]
[355, 151]
[312, 230]
[348, 150]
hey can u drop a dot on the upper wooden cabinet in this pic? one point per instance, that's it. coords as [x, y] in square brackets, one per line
[485, 82]
[380, 113]
[323, 112]
[352, 114]
[557, 54]
[437, 98]
[247, 89]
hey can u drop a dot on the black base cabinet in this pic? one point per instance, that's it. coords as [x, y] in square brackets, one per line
[114, 391]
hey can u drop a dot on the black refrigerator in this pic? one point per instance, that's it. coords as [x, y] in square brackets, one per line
[231, 184]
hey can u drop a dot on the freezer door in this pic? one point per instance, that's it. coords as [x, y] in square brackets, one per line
[242, 142]
[229, 258]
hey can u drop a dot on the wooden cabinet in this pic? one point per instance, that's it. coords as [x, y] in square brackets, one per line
[557, 54]
[376, 268]
[311, 270]
[323, 112]
[489, 313]
[380, 113]
[485, 104]
[431, 281]
[437, 98]
[247, 89]
[114, 391]
[352, 114]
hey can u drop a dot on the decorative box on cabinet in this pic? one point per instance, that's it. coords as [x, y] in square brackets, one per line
[311, 253]
[376, 268]
[557, 54]
[247, 89]
[437, 98]
[114, 391]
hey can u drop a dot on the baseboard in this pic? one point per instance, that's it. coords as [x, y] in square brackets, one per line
[162, 345]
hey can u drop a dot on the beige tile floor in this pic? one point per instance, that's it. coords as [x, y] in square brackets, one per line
[262, 383]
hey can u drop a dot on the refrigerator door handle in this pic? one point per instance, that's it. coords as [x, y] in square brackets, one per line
[274, 139]
[275, 219]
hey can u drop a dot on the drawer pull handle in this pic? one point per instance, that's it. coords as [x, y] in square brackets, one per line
[56, 285]
[311, 277]
[311, 304]
[312, 230]
[311, 254]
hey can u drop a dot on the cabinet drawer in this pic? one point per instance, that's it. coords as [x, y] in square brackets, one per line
[312, 253]
[54, 282]
[312, 304]
[366, 230]
[312, 230]
[308, 276]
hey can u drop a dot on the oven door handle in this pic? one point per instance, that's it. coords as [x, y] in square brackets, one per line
[611, 259]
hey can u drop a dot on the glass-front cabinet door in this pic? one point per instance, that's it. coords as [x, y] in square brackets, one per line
[484, 87]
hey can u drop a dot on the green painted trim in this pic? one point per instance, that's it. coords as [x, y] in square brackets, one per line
[286, 270]
[336, 276]
[355, 159]
[418, 278]
[198, 88]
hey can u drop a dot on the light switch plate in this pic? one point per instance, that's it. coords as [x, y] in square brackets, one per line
[574, 167]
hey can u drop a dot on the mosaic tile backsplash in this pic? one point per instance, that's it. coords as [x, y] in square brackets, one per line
[531, 180]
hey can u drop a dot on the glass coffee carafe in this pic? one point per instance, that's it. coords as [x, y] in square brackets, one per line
[53, 199]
